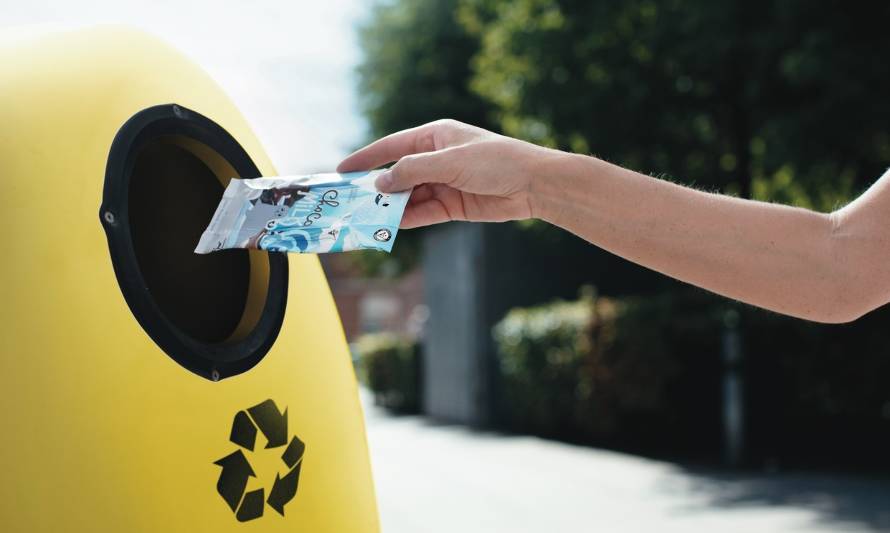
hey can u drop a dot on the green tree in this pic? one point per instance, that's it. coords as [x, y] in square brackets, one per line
[416, 66]
[415, 69]
[776, 100]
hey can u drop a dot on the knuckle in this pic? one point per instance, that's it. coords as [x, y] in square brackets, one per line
[425, 141]
[448, 131]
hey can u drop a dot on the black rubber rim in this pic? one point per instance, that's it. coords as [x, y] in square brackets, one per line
[209, 360]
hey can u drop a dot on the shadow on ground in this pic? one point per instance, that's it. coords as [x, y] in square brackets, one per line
[842, 499]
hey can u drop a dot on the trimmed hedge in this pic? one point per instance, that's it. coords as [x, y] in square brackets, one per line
[596, 369]
[390, 365]
[645, 374]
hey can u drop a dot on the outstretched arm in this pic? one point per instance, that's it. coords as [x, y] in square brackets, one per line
[823, 267]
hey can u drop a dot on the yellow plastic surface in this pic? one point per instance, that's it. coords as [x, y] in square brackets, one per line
[102, 431]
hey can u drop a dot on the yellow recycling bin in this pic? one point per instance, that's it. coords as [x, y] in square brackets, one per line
[144, 387]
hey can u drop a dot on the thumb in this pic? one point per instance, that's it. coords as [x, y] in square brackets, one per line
[417, 169]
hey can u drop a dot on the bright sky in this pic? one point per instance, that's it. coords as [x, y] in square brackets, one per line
[287, 64]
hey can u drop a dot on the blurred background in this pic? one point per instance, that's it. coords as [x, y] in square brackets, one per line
[518, 379]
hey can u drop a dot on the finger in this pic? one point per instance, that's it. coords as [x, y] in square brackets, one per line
[415, 170]
[420, 194]
[390, 148]
[424, 214]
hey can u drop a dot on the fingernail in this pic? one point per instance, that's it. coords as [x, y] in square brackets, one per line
[384, 181]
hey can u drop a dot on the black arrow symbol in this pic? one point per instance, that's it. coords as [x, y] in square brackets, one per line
[243, 431]
[294, 452]
[233, 478]
[271, 422]
[284, 489]
[251, 507]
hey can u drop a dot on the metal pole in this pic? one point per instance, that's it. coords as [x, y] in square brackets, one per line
[733, 392]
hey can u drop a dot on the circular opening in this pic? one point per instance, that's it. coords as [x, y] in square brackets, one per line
[173, 195]
[218, 314]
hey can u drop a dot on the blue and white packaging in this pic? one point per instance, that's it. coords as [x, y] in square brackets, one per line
[316, 213]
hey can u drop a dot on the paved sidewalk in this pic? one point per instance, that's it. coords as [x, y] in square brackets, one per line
[433, 479]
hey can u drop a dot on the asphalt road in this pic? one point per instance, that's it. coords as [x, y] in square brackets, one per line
[432, 478]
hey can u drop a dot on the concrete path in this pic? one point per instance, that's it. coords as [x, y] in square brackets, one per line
[447, 479]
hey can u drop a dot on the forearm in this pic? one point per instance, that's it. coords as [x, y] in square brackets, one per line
[781, 258]
[824, 267]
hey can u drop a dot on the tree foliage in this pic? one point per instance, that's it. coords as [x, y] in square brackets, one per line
[777, 100]
[416, 66]
[780, 101]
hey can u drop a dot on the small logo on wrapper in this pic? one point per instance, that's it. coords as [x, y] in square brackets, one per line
[382, 200]
[382, 235]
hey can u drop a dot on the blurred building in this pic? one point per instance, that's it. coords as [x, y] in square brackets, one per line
[473, 278]
[373, 304]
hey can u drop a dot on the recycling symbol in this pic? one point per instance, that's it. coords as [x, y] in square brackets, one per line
[236, 469]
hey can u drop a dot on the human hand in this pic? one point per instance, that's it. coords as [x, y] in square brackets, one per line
[458, 172]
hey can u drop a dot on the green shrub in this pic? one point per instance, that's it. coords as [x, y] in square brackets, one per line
[389, 365]
[541, 354]
[603, 370]
[646, 374]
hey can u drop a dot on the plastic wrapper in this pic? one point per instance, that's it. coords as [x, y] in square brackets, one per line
[316, 213]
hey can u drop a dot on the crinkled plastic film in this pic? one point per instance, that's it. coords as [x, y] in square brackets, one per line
[316, 213]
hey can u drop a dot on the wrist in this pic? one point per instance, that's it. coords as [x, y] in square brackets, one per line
[554, 181]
